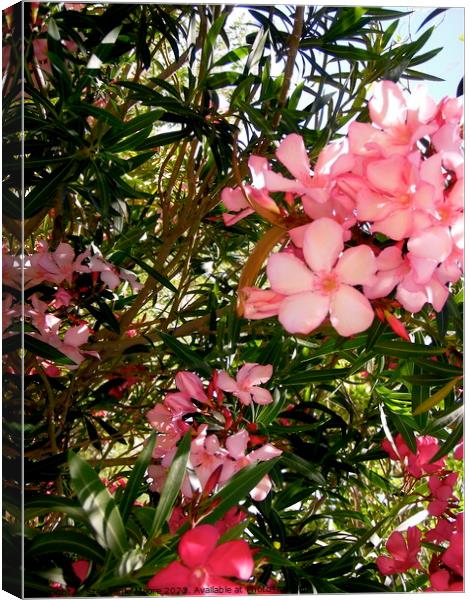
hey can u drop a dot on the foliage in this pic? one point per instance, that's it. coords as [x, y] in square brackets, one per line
[136, 118]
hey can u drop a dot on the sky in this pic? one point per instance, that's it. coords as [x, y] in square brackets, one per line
[448, 34]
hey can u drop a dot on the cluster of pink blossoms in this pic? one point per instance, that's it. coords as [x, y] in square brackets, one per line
[63, 279]
[217, 452]
[445, 569]
[386, 212]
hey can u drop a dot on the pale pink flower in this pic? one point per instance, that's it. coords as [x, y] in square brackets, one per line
[260, 304]
[333, 160]
[246, 386]
[395, 199]
[189, 384]
[324, 283]
[206, 455]
[62, 298]
[404, 555]
[236, 445]
[204, 564]
[399, 121]
[169, 425]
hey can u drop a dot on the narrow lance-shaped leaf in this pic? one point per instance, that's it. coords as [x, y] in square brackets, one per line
[99, 506]
[135, 480]
[238, 488]
[172, 486]
[437, 397]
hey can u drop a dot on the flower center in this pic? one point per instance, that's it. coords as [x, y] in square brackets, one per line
[199, 574]
[329, 283]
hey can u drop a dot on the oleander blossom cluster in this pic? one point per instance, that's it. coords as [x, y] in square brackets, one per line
[224, 440]
[379, 218]
[57, 284]
[445, 569]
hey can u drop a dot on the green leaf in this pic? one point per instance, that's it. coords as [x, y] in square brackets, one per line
[43, 505]
[238, 488]
[40, 348]
[43, 193]
[405, 426]
[302, 466]
[449, 419]
[454, 438]
[172, 486]
[269, 412]
[407, 350]
[62, 540]
[233, 56]
[99, 506]
[151, 271]
[437, 397]
[184, 352]
[315, 376]
[134, 482]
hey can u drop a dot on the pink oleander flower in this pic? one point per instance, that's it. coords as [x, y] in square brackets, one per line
[442, 532]
[312, 186]
[441, 581]
[453, 556]
[395, 199]
[399, 121]
[232, 517]
[458, 452]
[236, 446]
[324, 283]
[169, 425]
[441, 489]
[417, 464]
[55, 267]
[206, 455]
[189, 384]
[234, 199]
[246, 386]
[204, 565]
[404, 554]
[414, 285]
[260, 304]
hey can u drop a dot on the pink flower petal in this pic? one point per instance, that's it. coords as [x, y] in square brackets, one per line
[356, 266]
[225, 382]
[261, 396]
[197, 545]
[396, 546]
[386, 565]
[174, 575]
[179, 403]
[387, 106]
[387, 174]
[76, 336]
[434, 243]
[254, 374]
[230, 219]
[266, 452]
[234, 199]
[291, 152]
[232, 559]
[190, 384]
[302, 313]
[323, 242]
[397, 226]
[237, 443]
[350, 311]
[262, 489]
[288, 275]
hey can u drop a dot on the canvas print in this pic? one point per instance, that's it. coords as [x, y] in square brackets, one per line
[232, 299]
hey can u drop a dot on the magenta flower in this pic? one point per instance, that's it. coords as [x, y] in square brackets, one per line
[324, 283]
[246, 386]
[204, 566]
[441, 489]
[404, 554]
